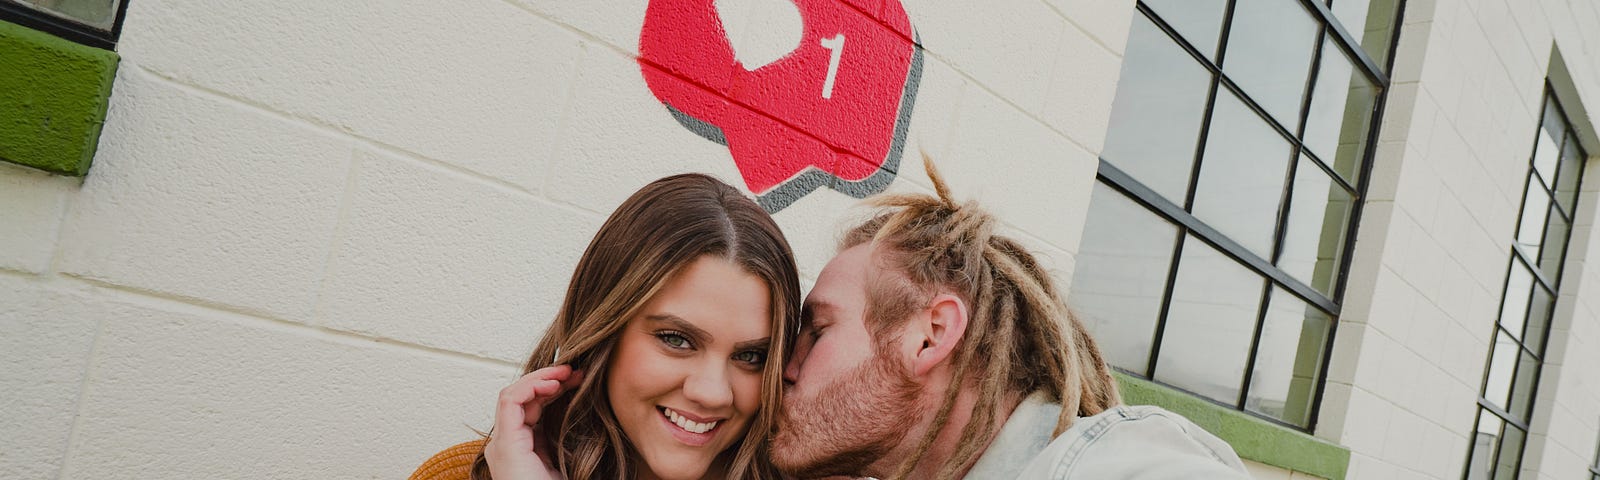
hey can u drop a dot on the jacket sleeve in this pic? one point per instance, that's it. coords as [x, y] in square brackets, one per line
[1139, 443]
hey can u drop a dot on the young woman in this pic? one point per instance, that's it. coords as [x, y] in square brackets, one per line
[664, 361]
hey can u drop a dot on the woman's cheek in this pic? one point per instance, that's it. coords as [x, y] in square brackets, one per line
[747, 391]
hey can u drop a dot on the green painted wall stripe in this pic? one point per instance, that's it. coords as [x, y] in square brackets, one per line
[53, 98]
[1253, 438]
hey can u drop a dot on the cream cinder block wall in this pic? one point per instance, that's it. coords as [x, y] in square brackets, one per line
[1430, 260]
[319, 236]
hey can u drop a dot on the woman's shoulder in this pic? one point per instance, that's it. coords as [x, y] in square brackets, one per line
[454, 463]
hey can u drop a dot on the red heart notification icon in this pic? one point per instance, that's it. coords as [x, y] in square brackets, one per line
[832, 112]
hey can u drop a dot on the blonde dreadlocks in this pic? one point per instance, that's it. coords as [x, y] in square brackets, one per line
[1021, 338]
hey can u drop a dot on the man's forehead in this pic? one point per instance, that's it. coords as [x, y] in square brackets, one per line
[843, 278]
[847, 269]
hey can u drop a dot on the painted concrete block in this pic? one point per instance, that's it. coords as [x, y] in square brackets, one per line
[435, 258]
[1409, 56]
[190, 392]
[45, 339]
[933, 122]
[813, 226]
[208, 199]
[619, 137]
[1366, 426]
[480, 84]
[615, 22]
[1083, 82]
[33, 202]
[1106, 21]
[1049, 197]
[1009, 46]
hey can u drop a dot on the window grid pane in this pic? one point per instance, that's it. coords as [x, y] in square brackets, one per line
[1279, 234]
[1533, 283]
[95, 23]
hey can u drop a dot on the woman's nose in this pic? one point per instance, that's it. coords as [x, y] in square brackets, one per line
[709, 387]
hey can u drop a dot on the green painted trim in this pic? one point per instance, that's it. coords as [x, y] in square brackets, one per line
[53, 98]
[1253, 438]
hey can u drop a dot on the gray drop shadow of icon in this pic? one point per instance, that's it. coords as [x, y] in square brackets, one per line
[807, 181]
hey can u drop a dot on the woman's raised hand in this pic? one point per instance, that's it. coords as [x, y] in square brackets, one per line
[516, 450]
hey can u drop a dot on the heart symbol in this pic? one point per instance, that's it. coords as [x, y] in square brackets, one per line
[822, 101]
[761, 31]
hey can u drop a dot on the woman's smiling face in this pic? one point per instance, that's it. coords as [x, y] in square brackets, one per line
[685, 380]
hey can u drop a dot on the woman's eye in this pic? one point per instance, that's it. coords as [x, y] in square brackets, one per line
[751, 357]
[673, 340]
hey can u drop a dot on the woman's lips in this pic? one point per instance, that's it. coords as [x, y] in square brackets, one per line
[688, 431]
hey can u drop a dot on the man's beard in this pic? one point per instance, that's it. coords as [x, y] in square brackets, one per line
[848, 424]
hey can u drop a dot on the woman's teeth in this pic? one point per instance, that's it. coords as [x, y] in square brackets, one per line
[689, 425]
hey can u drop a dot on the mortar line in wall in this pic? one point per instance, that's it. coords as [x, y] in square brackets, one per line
[87, 382]
[1092, 37]
[352, 170]
[1003, 99]
[210, 310]
[360, 140]
[53, 265]
[569, 28]
[569, 103]
[1026, 112]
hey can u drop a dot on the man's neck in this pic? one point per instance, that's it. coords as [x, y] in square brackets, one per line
[948, 440]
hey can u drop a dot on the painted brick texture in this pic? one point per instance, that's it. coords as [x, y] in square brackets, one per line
[1431, 255]
[330, 231]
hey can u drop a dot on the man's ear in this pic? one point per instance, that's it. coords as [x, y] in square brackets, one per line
[942, 327]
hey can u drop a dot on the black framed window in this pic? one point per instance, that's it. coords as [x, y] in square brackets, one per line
[96, 23]
[1214, 253]
[1533, 282]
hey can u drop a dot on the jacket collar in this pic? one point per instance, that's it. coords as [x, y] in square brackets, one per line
[1025, 434]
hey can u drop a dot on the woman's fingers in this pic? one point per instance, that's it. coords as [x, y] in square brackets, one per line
[510, 412]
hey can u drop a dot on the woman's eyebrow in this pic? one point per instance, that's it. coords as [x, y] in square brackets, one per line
[678, 323]
[757, 344]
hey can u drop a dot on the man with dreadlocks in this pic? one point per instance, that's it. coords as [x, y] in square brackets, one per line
[932, 347]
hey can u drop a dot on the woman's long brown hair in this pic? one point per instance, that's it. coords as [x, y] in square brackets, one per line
[661, 228]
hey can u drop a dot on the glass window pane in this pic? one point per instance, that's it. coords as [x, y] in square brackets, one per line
[1371, 22]
[1546, 152]
[1521, 405]
[1210, 323]
[1502, 365]
[1121, 276]
[1485, 441]
[1539, 306]
[1242, 175]
[1269, 55]
[1510, 453]
[101, 14]
[1289, 359]
[1568, 175]
[1319, 213]
[1155, 119]
[1555, 245]
[1198, 21]
[1341, 113]
[1514, 306]
[1535, 208]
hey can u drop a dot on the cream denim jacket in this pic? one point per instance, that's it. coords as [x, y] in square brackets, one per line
[1126, 442]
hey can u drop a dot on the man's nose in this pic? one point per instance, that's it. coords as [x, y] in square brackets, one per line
[709, 387]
